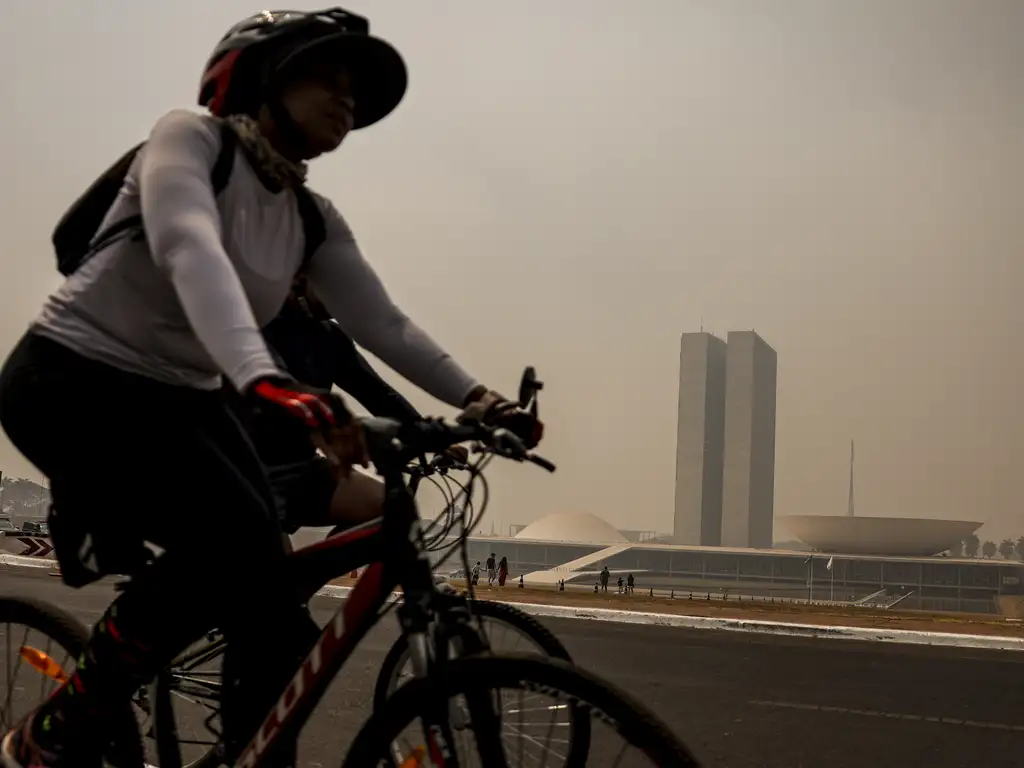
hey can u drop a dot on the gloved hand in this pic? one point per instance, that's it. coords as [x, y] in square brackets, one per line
[491, 408]
[316, 408]
[329, 421]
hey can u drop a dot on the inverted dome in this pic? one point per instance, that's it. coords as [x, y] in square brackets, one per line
[572, 527]
[907, 536]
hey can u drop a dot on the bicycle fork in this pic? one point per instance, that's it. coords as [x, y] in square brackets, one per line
[429, 652]
[436, 730]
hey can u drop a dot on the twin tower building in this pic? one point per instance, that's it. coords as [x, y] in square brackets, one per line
[725, 450]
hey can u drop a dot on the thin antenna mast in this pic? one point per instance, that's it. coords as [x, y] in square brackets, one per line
[849, 508]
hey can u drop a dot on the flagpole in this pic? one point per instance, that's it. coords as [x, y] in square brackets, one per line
[810, 577]
[830, 565]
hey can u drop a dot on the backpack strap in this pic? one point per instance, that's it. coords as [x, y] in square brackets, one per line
[312, 220]
[221, 173]
[312, 223]
[314, 227]
[111, 233]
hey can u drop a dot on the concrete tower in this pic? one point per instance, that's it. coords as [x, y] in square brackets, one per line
[748, 478]
[699, 440]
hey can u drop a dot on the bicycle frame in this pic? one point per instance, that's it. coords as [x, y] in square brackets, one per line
[311, 567]
[308, 569]
[402, 561]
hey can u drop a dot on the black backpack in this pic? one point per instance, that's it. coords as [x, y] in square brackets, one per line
[77, 236]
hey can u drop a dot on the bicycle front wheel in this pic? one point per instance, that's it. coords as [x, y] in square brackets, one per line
[535, 701]
[192, 684]
[508, 631]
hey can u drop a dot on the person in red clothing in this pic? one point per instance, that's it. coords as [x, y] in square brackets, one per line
[502, 571]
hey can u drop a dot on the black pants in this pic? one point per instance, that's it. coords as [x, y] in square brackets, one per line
[302, 481]
[131, 459]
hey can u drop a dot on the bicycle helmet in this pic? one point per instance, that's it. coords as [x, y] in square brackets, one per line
[244, 69]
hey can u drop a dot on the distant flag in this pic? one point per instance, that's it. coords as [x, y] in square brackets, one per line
[829, 563]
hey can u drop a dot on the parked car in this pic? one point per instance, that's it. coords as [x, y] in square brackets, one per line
[6, 526]
[35, 528]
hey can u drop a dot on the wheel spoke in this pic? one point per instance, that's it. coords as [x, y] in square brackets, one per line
[559, 732]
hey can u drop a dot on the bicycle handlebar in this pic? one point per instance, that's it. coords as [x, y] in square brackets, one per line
[394, 444]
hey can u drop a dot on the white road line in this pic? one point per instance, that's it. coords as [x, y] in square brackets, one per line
[889, 715]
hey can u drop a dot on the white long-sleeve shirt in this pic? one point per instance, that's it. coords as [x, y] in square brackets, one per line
[186, 303]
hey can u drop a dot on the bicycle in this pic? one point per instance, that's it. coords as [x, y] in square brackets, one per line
[431, 624]
[188, 677]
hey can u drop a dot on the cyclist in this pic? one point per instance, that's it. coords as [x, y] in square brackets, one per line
[112, 392]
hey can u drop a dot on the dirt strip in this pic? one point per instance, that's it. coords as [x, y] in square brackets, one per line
[759, 610]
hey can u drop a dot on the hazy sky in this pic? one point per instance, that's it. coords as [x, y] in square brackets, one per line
[573, 184]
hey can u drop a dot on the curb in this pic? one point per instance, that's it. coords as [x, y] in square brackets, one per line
[756, 626]
[27, 562]
[899, 636]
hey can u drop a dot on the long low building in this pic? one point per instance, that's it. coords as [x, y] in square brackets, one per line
[542, 553]
[904, 536]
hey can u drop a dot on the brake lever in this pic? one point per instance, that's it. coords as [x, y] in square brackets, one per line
[508, 444]
[453, 467]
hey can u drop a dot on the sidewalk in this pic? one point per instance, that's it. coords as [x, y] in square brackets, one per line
[754, 610]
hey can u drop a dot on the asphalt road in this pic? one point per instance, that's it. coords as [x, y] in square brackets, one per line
[738, 700]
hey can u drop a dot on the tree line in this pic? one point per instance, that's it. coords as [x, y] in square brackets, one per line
[20, 497]
[972, 546]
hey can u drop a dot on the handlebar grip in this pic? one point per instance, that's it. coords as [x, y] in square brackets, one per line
[541, 462]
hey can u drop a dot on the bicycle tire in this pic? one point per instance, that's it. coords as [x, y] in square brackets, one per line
[523, 622]
[481, 674]
[212, 757]
[71, 635]
[545, 639]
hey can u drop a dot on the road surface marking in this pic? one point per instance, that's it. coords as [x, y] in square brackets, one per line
[889, 715]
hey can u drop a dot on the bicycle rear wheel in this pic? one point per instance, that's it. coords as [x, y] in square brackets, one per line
[44, 641]
[644, 739]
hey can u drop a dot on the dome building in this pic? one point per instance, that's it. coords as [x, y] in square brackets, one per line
[572, 527]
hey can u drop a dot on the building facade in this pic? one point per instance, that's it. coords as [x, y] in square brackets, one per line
[926, 583]
[725, 441]
[748, 475]
[700, 436]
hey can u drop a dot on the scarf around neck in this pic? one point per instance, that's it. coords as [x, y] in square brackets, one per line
[270, 162]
